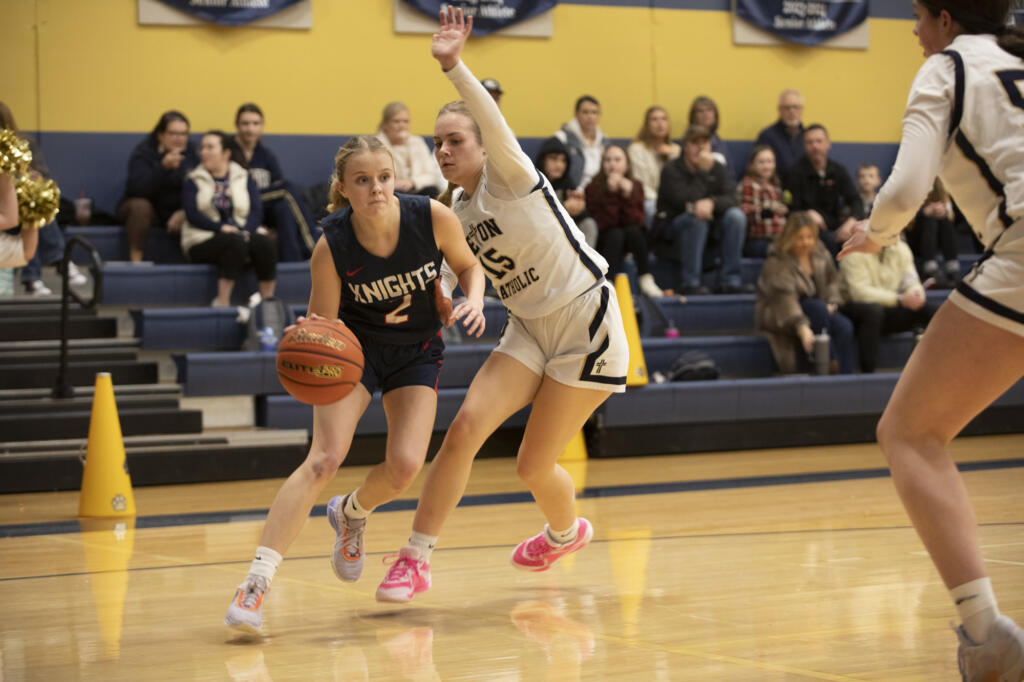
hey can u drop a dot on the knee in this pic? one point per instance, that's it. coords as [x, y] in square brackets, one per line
[322, 464]
[402, 470]
[530, 472]
[735, 220]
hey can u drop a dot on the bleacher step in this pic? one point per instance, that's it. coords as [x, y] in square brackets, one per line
[39, 328]
[80, 373]
[75, 423]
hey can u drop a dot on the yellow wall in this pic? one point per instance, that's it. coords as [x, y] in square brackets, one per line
[98, 70]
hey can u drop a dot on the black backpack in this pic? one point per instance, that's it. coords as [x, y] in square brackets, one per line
[270, 312]
[692, 365]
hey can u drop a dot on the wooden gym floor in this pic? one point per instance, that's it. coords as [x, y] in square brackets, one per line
[767, 565]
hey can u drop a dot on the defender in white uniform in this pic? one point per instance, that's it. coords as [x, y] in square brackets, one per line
[965, 123]
[564, 349]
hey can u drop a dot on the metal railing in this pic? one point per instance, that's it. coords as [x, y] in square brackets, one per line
[62, 387]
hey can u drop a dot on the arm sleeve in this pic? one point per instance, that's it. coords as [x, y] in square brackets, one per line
[856, 269]
[255, 217]
[512, 172]
[274, 166]
[925, 133]
[634, 208]
[780, 296]
[725, 197]
[645, 168]
[189, 202]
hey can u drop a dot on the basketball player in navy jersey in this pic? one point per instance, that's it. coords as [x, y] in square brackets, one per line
[965, 123]
[378, 262]
[564, 348]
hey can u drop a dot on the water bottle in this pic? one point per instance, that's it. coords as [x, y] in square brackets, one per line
[268, 340]
[822, 358]
[670, 331]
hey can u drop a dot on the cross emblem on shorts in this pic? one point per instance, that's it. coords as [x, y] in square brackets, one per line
[599, 366]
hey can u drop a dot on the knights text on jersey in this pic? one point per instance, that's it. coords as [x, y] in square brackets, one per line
[391, 299]
[983, 166]
[531, 250]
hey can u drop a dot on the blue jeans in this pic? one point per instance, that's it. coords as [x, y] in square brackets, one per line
[688, 236]
[49, 251]
[842, 345]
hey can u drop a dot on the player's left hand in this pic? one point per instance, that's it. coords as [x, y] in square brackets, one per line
[859, 242]
[446, 45]
[472, 315]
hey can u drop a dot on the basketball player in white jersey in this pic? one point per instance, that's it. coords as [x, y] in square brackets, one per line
[563, 349]
[965, 123]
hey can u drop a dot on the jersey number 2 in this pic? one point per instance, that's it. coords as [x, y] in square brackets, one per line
[396, 316]
[1011, 79]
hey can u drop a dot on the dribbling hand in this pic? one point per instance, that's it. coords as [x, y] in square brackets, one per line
[302, 318]
[446, 44]
[472, 315]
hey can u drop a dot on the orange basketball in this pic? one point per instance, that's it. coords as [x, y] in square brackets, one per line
[319, 362]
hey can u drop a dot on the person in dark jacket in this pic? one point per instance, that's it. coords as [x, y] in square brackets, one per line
[555, 162]
[823, 188]
[156, 170]
[697, 198]
[786, 135]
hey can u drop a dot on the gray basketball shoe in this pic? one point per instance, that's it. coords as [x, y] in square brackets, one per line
[246, 610]
[999, 659]
[347, 558]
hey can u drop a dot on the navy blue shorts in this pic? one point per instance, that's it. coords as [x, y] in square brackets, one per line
[390, 366]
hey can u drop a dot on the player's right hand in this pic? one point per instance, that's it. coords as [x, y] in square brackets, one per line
[447, 43]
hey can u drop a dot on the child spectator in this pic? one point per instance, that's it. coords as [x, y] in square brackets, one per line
[554, 162]
[798, 297]
[223, 209]
[616, 202]
[760, 196]
[868, 182]
[648, 154]
[933, 232]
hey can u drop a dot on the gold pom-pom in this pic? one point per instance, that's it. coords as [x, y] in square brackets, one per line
[15, 156]
[38, 200]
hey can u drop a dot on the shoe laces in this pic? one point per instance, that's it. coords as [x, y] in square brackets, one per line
[253, 588]
[401, 568]
[351, 535]
[538, 545]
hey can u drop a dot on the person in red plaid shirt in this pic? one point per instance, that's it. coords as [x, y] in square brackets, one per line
[760, 197]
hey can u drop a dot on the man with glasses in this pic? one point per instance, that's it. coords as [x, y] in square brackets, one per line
[786, 136]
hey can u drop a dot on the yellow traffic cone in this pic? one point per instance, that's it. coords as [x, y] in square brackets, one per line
[637, 374]
[106, 486]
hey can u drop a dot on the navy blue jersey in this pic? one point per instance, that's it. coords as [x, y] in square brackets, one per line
[390, 300]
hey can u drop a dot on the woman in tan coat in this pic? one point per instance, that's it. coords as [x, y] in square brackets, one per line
[798, 296]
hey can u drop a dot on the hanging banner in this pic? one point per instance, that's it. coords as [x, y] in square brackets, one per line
[230, 12]
[805, 22]
[488, 15]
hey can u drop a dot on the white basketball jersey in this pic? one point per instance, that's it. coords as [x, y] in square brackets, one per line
[983, 165]
[530, 248]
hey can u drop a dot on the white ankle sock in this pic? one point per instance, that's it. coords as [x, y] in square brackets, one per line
[265, 563]
[563, 537]
[976, 606]
[352, 508]
[423, 543]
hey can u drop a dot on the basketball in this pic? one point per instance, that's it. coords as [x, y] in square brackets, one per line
[319, 361]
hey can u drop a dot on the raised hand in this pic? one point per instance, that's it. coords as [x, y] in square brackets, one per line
[859, 242]
[447, 43]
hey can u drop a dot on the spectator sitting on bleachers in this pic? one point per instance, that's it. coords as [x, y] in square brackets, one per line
[554, 162]
[696, 197]
[798, 296]
[583, 138]
[823, 188]
[616, 201]
[760, 197]
[883, 296]
[648, 154]
[284, 208]
[49, 238]
[156, 171]
[786, 135]
[704, 112]
[868, 182]
[931, 233]
[416, 169]
[223, 209]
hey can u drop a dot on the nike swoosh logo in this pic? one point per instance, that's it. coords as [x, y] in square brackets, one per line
[258, 558]
[963, 599]
[351, 273]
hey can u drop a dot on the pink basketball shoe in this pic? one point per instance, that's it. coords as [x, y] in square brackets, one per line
[538, 553]
[406, 578]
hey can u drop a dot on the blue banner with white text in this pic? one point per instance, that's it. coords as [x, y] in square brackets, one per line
[805, 22]
[488, 15]
[230, 12]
